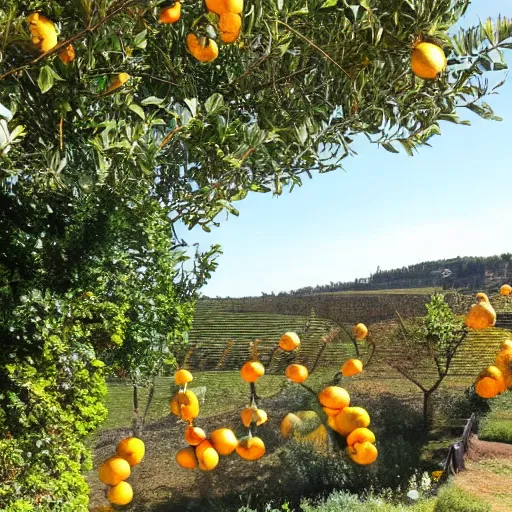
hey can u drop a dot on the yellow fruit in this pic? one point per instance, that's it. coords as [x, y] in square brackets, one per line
[207, 456]
[229, 27]
[182, 377]
[363, 453]
[360, 435]
[194, 435]
[118, 81]
[170, 14]
[252, 371]
[331, 412]
[331, 421]
[360, 332]
[351, 418]
[250, 448]
[504, 362]
[186, 458]
[120, 494]
[296, 373]
[481, 316]
[114, 470]
[204, 50]
[428, 60]
[491, 371]
[487, 387]
[44, 35]
[482, 297]
[351, 367]
[506, 290]
[68, 54]
[131, 449]
[289, 341]
[334, 397]
[185, 405]
[224, 441]
[289, 424]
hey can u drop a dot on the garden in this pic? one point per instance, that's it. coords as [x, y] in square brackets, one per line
[123, 122]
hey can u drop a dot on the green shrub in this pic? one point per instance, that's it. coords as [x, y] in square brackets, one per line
[453, 499]
[495, 429]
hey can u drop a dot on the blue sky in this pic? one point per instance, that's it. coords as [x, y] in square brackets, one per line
[382, 210]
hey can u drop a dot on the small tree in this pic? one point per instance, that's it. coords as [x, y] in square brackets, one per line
[422, 350]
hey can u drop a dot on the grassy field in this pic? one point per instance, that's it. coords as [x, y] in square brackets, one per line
[397, 291]
[497, 426]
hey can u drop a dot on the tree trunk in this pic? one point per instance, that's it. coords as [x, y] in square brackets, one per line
[427, 411]
[136, 416]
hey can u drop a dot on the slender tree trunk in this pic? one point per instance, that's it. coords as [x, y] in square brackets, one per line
[136, 415]
[149, 401]
[427, 411]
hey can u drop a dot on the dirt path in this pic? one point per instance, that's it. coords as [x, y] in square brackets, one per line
[489, 473]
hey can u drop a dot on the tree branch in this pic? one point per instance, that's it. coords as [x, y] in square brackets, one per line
[408, 377]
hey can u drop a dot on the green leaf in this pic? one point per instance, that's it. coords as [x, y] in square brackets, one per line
[214, 103]
[138, 110]
[192, 105]
[46, 79]
[389, 147]
[152, 100]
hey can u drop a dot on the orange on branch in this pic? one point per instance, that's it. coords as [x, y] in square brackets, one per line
[120, 494]
[331, 412]
[428, 60]
[170, 14]
[352, 367]
[207, 456]
[252, 371]
[44, 34]
[289, 341]
[334, 397]
[360, 332]
[487, 387]
[482, 297]
[506, 290]
[131, 449]
[186, 458]
[114, 470]
[289, 424]
[203, 49]
[68, 54]
[222, 6]
[363, 453]
[185, 405]
[224, 441]
[229, 27]
[250, 448]
[360, 435]
[182, 377]
[351, 418]
[296, 373]
[481, 316]
[194, 435]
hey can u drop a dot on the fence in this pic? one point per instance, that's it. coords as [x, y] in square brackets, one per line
[455, 460]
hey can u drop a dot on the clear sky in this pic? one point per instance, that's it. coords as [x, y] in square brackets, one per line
[454, 199]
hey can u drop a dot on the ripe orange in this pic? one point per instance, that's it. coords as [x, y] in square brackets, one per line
[224, 441]
[506, 290]
[362, 453]
[186, 458]
[68, 54]
[289, 341]
[334, 397]
[428, 60]
[229, 27]
[182, 377]
[360, 435]
[185, 405]
[351, 418]
[221, 6]
[296, 373]
[488, 387]
[120, 494]
[204, 49]
[194, 435]
[351, 367]
[289, 424]
[170, 14]
[331, 412]
[481, 316]
[250, 448]
[252, 371]
[207, 456]
[44, 34]
[114, 470]
[360, 332]
[482, 297]
[131, 449]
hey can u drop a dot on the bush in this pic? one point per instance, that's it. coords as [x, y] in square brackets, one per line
[453, 499]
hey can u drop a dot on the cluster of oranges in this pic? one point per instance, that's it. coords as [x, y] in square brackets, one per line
[481, 315]
[497, 378]
[115, 470]
[44, 36]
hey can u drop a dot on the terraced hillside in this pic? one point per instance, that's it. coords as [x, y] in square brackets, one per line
[222, 339]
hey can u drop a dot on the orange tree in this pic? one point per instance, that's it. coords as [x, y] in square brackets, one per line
[119, 118]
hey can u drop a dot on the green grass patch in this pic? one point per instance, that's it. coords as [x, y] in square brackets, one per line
[454, 499]
[497, 425]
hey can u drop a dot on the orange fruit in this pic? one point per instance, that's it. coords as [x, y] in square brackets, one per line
[331, 421]
[481, 316]
[186, 458]
[44, 34]
[482, 297]
[224, 441]
[360, 332]
[289, 424]
[296, 373]
[250, 415]
[120, 494]
[506, 345]
[351, 367]
[185, 405]
[289, 341]
[493, 372]
[131, 449]
[250, 448]
[114, 470]
[428, 60]
[170, 14]
[362, 453]
[182, 377]
[194, 435]
[221, 6]
[334, 397]
[360, 435]
[252, 371]
[331, 412]
[487, 387]
[207, 456]
[68, 54]
[204, 49]
[229, 27]
[506, 290]
[351, 418]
